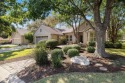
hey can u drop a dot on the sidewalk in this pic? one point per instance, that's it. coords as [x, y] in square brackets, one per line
[15, 48]
[9, 70]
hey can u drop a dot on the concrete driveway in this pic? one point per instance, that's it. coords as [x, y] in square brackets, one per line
[8, 71]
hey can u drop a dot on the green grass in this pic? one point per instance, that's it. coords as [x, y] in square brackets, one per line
[15, 54]
[7, 46]
[85, 78]
[120, 52]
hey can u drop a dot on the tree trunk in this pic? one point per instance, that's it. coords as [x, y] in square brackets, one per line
[100, 43]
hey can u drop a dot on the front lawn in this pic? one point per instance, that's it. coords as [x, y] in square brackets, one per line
[120, 52]
[85, 78]
[15, 54]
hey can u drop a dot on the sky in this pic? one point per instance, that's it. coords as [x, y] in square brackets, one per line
[19, 1]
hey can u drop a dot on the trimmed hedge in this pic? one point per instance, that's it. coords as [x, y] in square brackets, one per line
[76, 46]
[73, 52]
[41, 56]
[51, 43]
[66, 48]
[90, 49]
[57, 52]
[118, 45]
[56, 56]
[41, 43]
[92, 43]
[109, 44]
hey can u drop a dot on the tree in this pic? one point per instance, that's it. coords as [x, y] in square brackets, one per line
[11, 12]
[34, 25]
[72, 20]
[117, 22]
[99, 10]
[4, 24]
[50, 21]
[29, 37]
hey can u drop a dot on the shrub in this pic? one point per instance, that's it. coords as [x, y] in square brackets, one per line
[29, 37]
[109, 44]
[41, 56]
[41, 43]
[58, 52]
[76, 46]
[118, 45]
[90, 49]
[56, 56]
[92, 43]
[63, 41]
[66, 48]
[73, 52]
[51, 43]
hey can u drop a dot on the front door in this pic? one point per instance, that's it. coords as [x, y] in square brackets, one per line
[81, 38]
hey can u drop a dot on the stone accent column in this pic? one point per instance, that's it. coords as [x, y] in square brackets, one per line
[85, 37]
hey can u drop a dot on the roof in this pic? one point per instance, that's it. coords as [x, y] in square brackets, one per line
[52, 30]
[83, 27]
[68, 30]
[22, 31]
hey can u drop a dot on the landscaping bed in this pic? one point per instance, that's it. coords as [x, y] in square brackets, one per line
[113, 64]
[51, 60]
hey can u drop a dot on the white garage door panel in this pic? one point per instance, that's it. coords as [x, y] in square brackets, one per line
[38, 38]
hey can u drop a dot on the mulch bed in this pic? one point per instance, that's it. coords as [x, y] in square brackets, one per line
[34, 72]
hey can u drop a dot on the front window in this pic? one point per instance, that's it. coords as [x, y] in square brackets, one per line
[92, 36]
[70, 37]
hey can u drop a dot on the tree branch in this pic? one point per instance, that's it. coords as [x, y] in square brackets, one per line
[91, 7]
[83, 15]
[97, 18]
[108, 9]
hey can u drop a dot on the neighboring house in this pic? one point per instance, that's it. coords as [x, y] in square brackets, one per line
[85, 34]
[18, 36]
[45, 33]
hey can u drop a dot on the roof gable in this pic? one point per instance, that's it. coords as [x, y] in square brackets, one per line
[22, 31]
[49, 30]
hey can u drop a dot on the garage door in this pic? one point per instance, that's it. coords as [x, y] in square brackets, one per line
[38, 38]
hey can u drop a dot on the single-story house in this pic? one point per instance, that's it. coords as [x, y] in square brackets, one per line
[45, 33]
[18, 36]
[85, 34]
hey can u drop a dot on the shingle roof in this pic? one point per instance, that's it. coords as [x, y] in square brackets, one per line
[68, 30]
[22, 31]
[52, 30]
